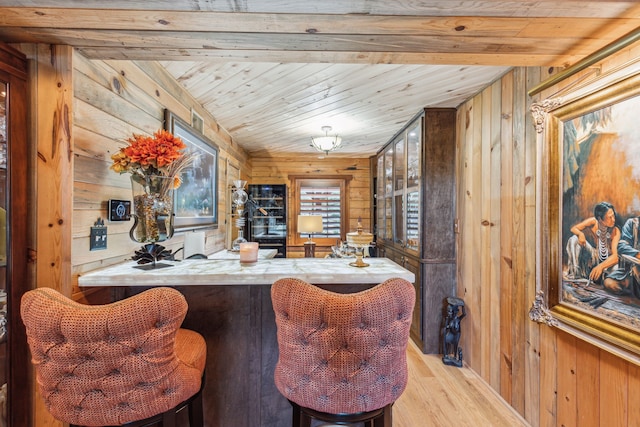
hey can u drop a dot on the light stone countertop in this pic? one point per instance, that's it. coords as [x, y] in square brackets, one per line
[230, 272]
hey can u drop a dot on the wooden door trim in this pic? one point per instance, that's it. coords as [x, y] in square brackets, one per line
[18, 278]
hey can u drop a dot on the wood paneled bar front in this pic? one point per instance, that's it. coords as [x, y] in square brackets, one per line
[230, 305]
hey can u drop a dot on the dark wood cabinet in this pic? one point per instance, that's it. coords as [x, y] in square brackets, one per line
[14, 239]
[411, 263]
[415, 214]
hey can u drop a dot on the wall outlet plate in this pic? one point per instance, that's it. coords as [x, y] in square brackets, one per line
[119, 210]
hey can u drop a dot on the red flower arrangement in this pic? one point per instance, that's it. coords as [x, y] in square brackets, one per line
[155, 164]
[147, 156]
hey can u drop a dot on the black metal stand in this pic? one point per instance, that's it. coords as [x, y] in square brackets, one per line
[452, 353]
[149, 255]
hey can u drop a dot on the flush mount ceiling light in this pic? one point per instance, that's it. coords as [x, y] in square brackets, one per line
[326, 143]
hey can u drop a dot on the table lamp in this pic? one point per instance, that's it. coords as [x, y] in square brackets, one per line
[309, 224]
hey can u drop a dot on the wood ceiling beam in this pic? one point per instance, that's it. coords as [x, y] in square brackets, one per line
[514, 8]
[150, 34]
[370, 49]
[308, 42]
[329, 57]
[220, 22]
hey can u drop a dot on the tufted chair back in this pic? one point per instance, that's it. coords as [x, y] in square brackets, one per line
[111, 364]
[342, 353]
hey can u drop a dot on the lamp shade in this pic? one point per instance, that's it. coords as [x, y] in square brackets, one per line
[309, 224]
[326, 143]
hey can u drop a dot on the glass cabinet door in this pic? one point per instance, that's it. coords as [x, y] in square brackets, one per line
[399, 173]
[267, 207]
[268, 220]
[380, 196]
[399, 168]
[412, 224]
[398, 189]
[388, 194]
[413, 221]
[414, 141]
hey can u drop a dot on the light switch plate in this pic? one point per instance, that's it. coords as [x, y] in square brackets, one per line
[98, 236]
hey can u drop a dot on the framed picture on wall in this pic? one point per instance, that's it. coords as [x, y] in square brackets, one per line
[590, 213]
[196, 200]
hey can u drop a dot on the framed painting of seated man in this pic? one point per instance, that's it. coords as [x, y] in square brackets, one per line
[590, 212]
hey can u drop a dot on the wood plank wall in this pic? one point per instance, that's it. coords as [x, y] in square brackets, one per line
[277, 170]
[550, 377]
[112, 100]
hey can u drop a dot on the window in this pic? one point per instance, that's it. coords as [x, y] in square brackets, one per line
[324, 196]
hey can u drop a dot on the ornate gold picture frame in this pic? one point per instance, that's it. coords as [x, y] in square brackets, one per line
[589, 198]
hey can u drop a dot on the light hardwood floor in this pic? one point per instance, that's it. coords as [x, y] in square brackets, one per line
[439, 395]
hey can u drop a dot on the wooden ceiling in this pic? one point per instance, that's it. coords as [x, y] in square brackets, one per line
[273, 72]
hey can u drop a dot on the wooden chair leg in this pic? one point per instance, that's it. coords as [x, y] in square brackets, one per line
[385, 420]
[195, 411]
[305, 420]
[169, 418]
[296, 415]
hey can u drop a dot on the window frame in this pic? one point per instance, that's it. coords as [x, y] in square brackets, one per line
[299, 181]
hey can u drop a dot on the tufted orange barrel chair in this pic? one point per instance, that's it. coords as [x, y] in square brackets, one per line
[342, 356]
[124, 363]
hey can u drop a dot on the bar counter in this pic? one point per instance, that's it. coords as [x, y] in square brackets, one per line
[230, 305]
[216, 272]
